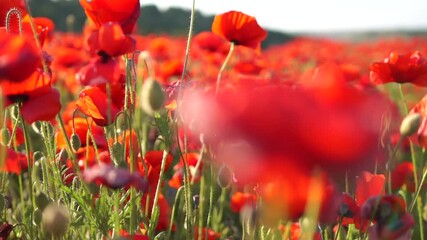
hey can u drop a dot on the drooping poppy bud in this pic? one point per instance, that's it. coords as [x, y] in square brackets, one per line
[152, 96]
[410, 124]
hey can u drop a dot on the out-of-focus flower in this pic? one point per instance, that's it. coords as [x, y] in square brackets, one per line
[125, 12]
[164, 209]
[15, 162]
[295, 232]
[368, 185]
[19, 57]
[398, 68]
[177, 179]
[240, 199]
[5, 230]
[110, 176]
[153, 160]
[207, 234]
[33, 92]
[239, 28]
[391, 221]
[110, 40]
[99, 71]
[326, 122]
[403, 174]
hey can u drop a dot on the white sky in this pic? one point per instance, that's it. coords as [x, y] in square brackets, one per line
[317, 15]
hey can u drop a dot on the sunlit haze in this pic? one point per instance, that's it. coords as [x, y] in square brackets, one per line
[318, 15]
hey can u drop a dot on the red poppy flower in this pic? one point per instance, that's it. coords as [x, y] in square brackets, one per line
[31, 92]
[177, 179]
[111, 40]
[211, 234]
[164, 209]
[407, 68]
[240, 199]
[153, 160]
[93, 102]
[369, 185]
[296, 232]
[15, 162]
[115, 178]
[421, 137]
[239, 28]
[5, 230]
[125, 12]
[81, 129]
[99, 71]
[403, 174]
[19, 57]
[391, 221]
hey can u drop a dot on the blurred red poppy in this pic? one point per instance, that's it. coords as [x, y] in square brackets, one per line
[19, 57]
[177, 178]
[153, 160]
[239, 28]
[398, 68]
[99, 71]
[94, 103]
[368, 185]
[32, 92]
[391, 221]
[125, 12]
[240, 200]
[111, 40]
[115, 178]
[403, 174]
[15, 162]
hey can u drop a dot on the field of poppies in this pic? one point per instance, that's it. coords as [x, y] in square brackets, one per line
[109, 134]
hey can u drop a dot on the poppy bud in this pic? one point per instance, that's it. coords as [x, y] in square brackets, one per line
[5, 136]
[37, 155]
[75, 142]
[63, 156]
[55, 219]
[117, 154]
[153, 96]
[410, 124]
[225, 176]
[37, 216]
[42, 200]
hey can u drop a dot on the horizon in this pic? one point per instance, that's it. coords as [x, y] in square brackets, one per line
[376, 19]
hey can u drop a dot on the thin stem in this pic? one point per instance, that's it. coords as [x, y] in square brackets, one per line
[157, 193]
[224, 65]
[30, 178]
[177, 197]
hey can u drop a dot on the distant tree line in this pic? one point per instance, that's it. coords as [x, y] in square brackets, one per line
[69, 16]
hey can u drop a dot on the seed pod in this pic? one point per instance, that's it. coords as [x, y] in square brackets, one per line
[75, 142]
[152, 96]
[5, 136]
[55, 220]
[410, 124]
